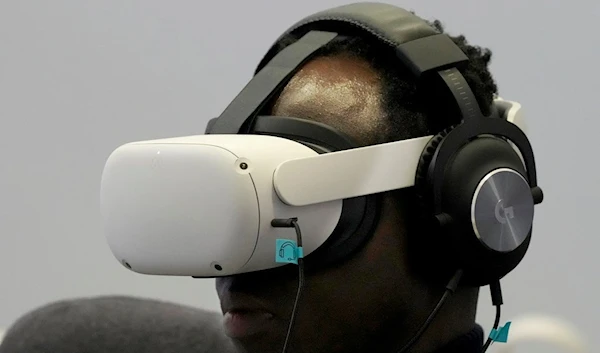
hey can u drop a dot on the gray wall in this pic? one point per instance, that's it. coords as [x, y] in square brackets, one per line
[78, 78]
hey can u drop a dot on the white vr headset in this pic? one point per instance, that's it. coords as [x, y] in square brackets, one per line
[203, 206]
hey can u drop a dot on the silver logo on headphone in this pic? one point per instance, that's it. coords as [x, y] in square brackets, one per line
[503, 214]
[502, 210]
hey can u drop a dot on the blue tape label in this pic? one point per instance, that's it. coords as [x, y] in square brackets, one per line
[500, 334]
[287, 251]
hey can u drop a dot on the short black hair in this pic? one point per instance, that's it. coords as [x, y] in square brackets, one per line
[406, 113]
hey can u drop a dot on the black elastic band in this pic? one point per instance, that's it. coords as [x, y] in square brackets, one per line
[259, 91]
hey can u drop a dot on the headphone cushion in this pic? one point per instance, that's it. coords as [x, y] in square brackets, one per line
[425, 258]
[422, 189]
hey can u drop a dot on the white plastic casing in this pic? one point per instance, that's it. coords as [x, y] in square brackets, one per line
[181, 206]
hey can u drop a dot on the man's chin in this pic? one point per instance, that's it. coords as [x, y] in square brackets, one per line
[263, 342]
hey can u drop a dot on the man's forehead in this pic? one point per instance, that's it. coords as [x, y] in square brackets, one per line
[341, 91]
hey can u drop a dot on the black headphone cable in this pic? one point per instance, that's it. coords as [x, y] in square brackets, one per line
[450, 289]
[293, 223]
[496, 292]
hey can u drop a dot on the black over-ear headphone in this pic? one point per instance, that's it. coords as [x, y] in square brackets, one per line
[473, 185]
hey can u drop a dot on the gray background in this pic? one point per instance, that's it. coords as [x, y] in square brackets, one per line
[78, 78]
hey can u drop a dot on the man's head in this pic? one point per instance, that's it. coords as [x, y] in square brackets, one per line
[378, 298]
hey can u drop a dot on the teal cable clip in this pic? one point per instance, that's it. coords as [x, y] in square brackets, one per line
[500, 334]
[287, 251]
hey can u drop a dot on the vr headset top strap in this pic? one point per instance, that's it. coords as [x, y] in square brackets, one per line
[238, 116]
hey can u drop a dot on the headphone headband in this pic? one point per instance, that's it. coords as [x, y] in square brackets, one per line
[419, 46]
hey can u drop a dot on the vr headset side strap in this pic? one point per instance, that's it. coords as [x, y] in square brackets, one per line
[259, 91]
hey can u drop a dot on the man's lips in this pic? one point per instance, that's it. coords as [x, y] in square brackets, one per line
[245, 323]
[244, 315]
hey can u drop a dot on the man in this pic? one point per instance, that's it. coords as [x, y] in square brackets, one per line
[377, 299]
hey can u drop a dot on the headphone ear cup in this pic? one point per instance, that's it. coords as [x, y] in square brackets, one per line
[486, 193]
[439, 250]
